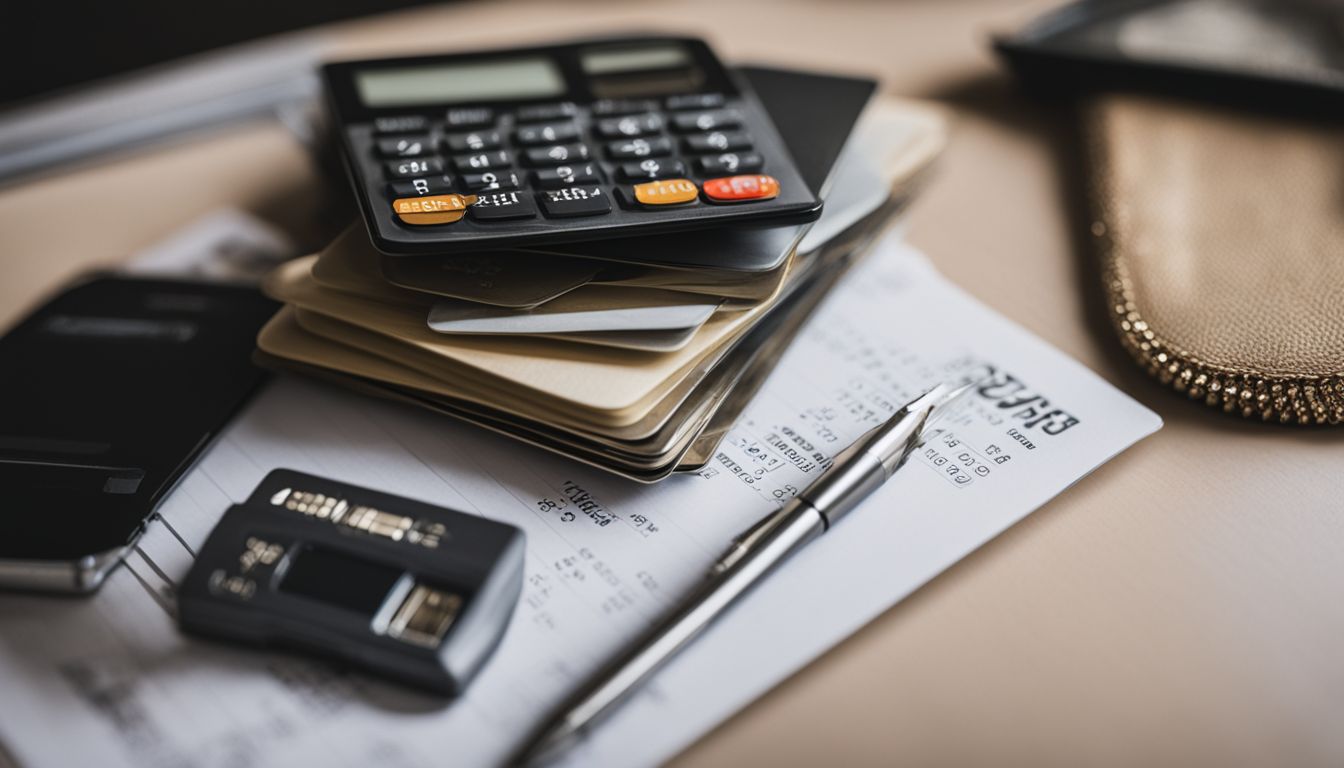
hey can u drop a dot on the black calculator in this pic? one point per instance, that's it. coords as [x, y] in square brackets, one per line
[567, 143]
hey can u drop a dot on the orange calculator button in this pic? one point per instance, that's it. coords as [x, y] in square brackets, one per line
[666, 192]
[737, 189]
[432, 209]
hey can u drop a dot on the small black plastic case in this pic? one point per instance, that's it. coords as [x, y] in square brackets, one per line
[403, 589]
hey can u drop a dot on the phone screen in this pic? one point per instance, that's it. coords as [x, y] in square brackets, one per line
[108, 393]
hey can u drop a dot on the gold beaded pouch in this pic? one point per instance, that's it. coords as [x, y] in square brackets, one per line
[1221, 238]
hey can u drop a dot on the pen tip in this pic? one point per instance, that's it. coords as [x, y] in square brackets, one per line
[940, 398]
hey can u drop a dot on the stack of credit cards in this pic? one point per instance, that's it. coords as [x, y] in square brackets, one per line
[632, 354]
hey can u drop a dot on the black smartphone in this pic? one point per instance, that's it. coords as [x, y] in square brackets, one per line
[108, 394]
[1284, 54]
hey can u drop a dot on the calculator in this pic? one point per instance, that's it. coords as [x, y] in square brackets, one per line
[609, 138]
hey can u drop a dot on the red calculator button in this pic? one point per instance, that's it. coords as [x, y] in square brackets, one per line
[739, 189]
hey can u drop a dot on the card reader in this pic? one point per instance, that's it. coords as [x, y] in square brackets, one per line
[406, 590]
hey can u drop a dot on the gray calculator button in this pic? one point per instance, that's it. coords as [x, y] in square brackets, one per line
[430, 185]
[482, 161]
[475, 141]
[718, 141]
[401, 124]
[559, 154]
[470, 117]
[567, 175]
[617, 107]
[547, 133]
[498, 206]
[729, 163]
[712, 120]
[490, 180]
[405, 169]
[575, 201]
[541, 113]
[634, 149]
[651, 169]
[695, 101]
[406, 146]
[631, 126]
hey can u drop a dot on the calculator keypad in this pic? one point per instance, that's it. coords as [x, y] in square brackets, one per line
[541, 159]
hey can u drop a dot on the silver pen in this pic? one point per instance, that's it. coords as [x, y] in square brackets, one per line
[856, 472]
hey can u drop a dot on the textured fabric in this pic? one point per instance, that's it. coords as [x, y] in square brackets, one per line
[1222, 238]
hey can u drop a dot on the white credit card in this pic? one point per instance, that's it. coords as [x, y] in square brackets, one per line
[469, 317]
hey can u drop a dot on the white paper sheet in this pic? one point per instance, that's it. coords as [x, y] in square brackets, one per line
[108, 681]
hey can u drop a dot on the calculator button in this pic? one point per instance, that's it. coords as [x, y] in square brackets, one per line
[541, 113]
[718, 141]
[405, 169]
[547, 133]
[566, 175]
[436, 185]
[729, 162]
[475, 141]
[491, 180]
[575, 201]
[713, 120]
[436, 209]
[695, 101]
[497, 206]
[470, 117]
[406, 146]
[647, 170]
[666, 192]
[401, 124]
[617, 107]
[483, 161]
[632, 149]
[629, 127]
[737, 189]
[558, 154]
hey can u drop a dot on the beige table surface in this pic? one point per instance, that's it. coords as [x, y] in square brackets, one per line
[1184, 605]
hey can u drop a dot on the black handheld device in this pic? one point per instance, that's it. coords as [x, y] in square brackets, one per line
[565, 143]
[1285, 56]
[410, 591]
[108, 394]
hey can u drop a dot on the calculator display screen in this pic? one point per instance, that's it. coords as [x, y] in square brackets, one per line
[533, 77]
[622, 71]
[611, 60]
